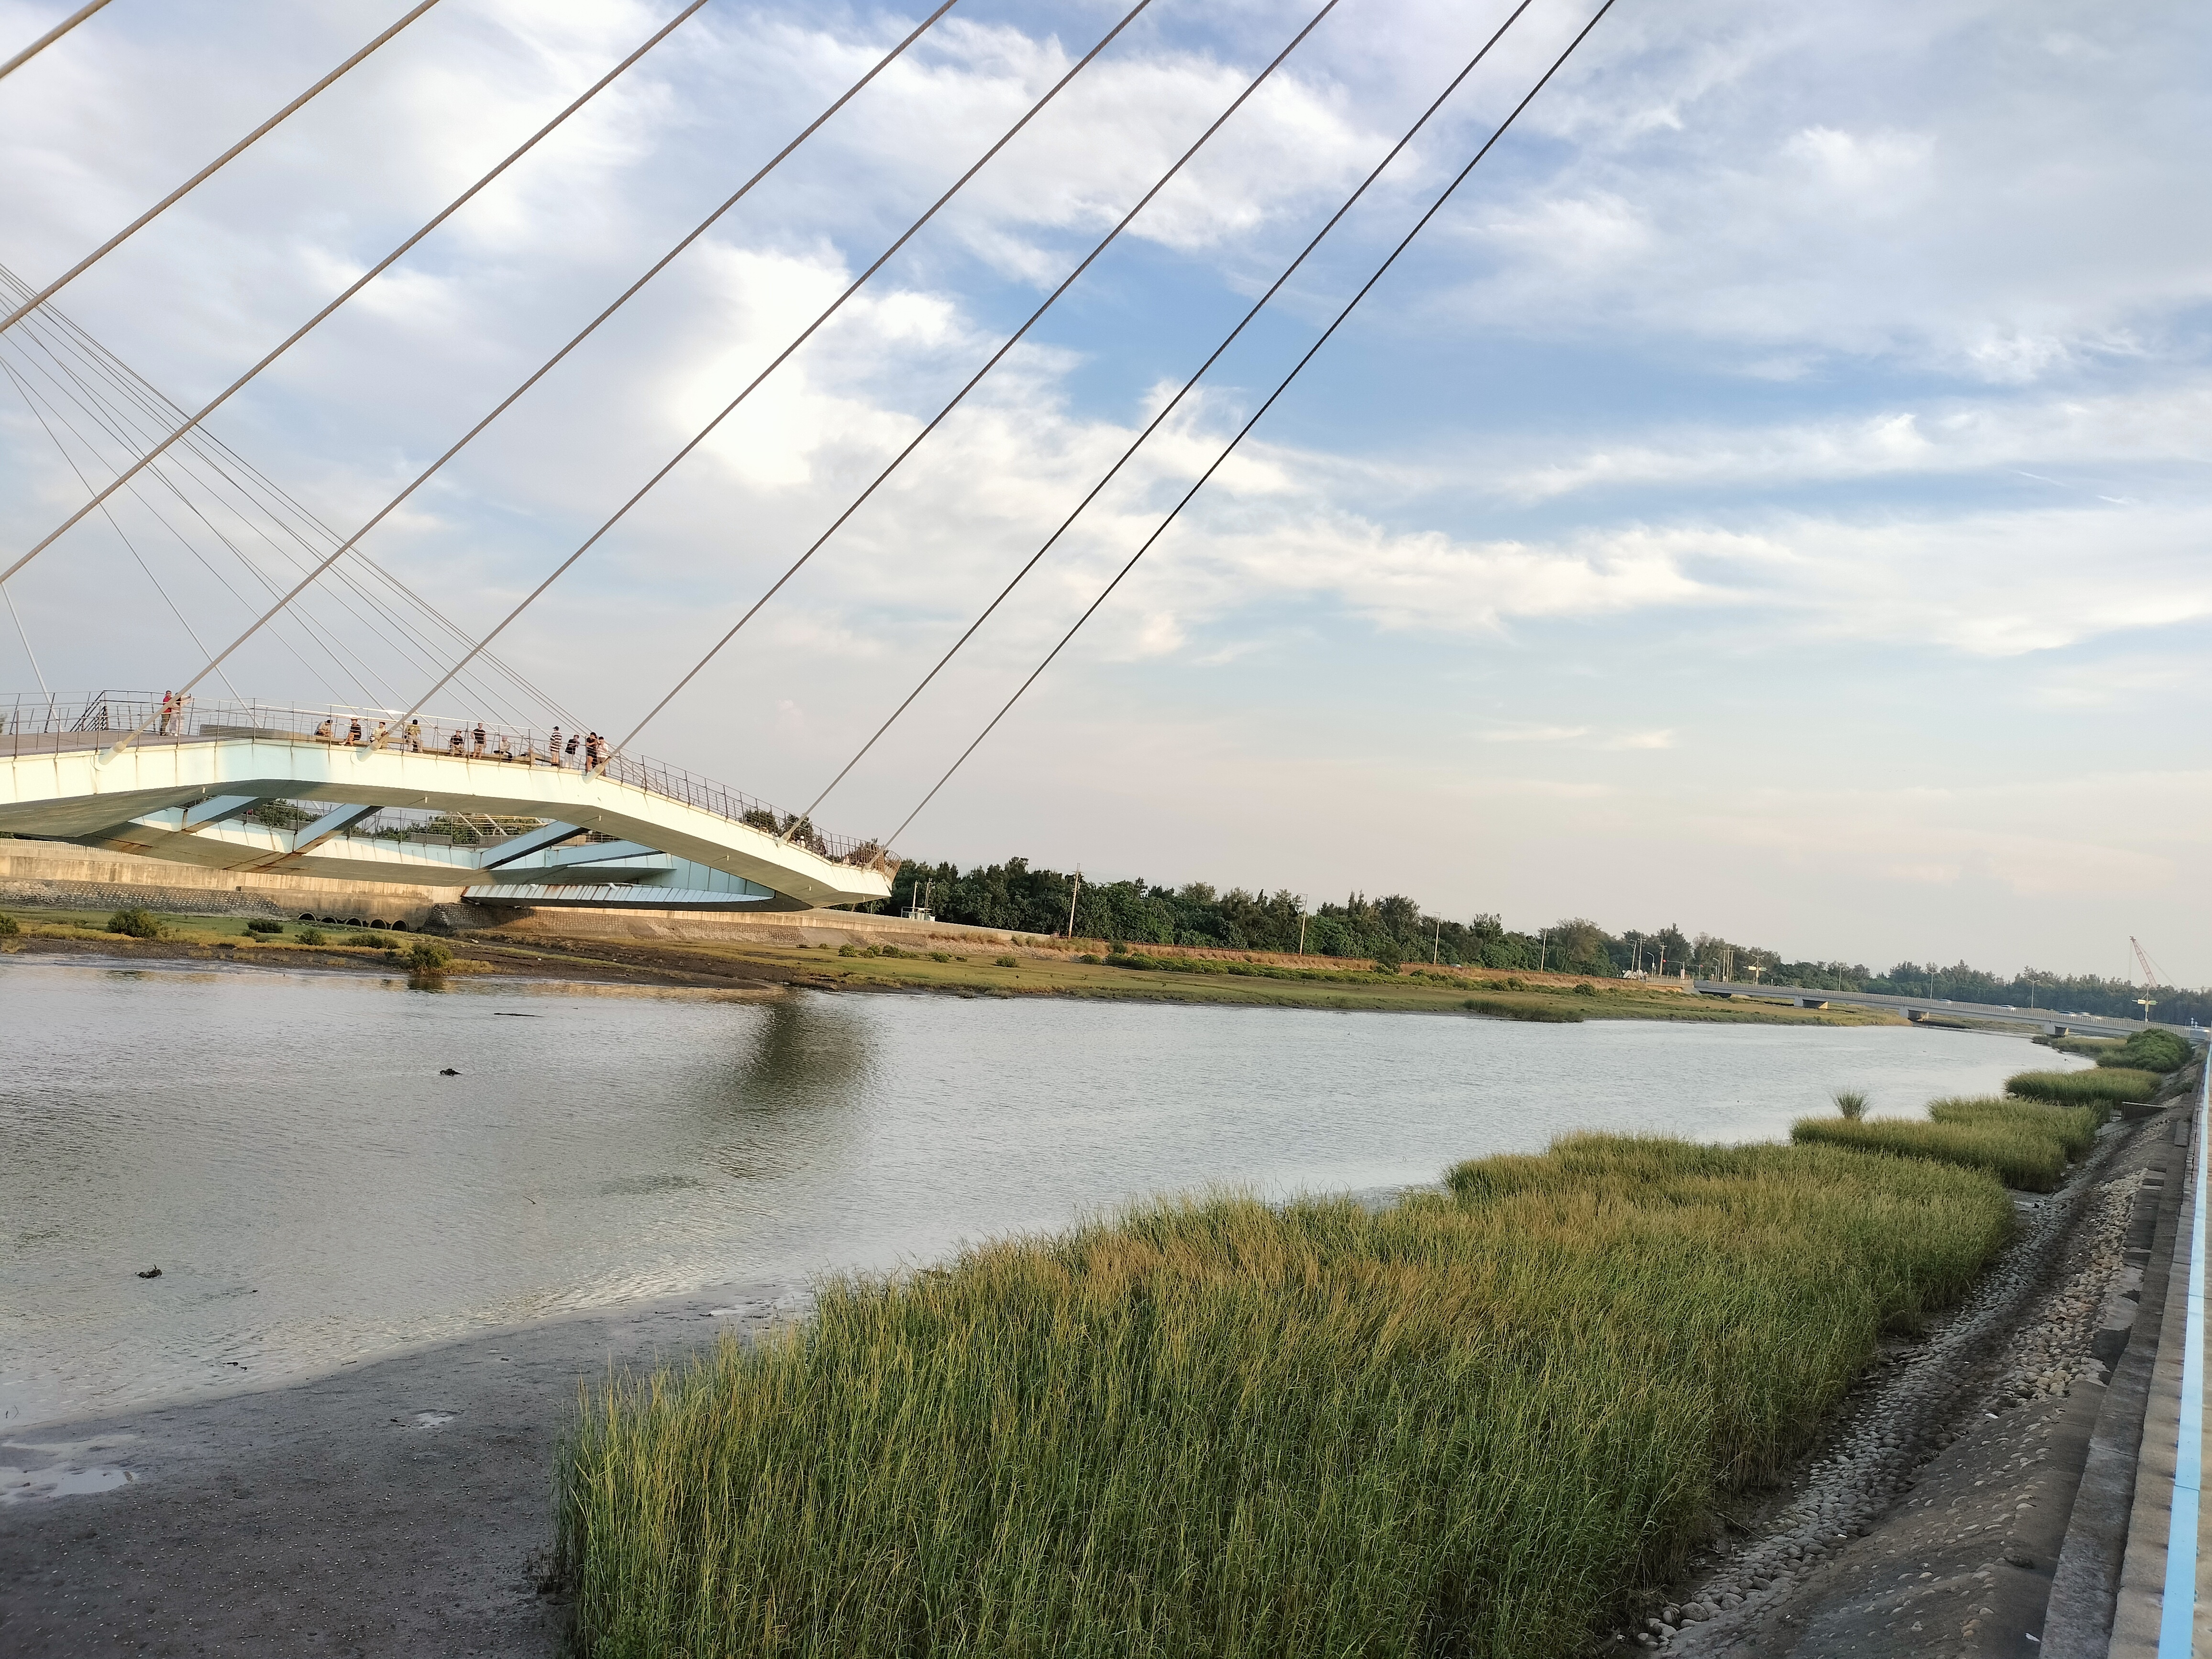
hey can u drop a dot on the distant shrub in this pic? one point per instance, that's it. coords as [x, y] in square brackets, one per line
[1851, 1102]
[427, 956]
[849, 950]
[364, 937]
[1006, 962]
[2107, 1084]
[2151, 1049]
[1585, 989]
[946, 955]
[263, 925]
[1083, 956]
[8, 926]
[137, 922]
[312, 936]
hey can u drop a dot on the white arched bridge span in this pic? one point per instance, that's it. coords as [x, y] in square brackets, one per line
[502, 816]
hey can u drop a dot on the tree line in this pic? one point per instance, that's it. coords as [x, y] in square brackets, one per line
[1394, 929]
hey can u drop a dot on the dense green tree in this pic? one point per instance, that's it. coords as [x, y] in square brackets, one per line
[1394, 927]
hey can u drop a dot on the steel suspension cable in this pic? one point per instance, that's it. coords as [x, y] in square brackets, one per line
[804, 335]
[204, 174]
[105, 419]
[251, 486]
[119, 423]
[1162, 414]
[585, 332]
[1229, 448]
[121, 535]
[960, 396]
[41, 44]
[363, 282]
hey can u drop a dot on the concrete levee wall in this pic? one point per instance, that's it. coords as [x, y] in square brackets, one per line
[45, 872]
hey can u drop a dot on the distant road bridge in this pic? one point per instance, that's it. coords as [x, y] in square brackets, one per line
[2059, 1024]
[199, 786]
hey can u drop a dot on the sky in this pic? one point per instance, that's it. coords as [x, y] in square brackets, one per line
[1770, 496]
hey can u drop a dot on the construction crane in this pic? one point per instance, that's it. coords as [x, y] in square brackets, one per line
[2153, 980]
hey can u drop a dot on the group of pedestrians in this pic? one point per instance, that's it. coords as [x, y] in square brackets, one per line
[357, 736]
[587, 750]
[172, 718]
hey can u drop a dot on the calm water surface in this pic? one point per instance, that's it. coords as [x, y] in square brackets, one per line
[284, 1147]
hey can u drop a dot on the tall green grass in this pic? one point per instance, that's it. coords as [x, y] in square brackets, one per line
[1470, 1424]
[2106, 1086]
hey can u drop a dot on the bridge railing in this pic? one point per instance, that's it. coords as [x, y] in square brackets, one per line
[45, 724]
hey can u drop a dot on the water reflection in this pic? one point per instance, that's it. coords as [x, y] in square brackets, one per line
[287, 1149]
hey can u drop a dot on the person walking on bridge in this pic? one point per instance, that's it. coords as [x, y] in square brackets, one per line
[415, 736]
[574, 739]
[553, 749]
[168, 711]
[477, 752]
[353, 734]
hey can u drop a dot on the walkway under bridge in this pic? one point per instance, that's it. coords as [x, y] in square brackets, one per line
[501, 815]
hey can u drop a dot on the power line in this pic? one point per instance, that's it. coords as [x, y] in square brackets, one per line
[202, 175]
[804, 335]
[363, 281]
[1283, 386]
[43, 42]
[1161, 416]
[547, 366]
[960, 396]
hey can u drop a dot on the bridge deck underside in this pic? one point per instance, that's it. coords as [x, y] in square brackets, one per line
[668, 852]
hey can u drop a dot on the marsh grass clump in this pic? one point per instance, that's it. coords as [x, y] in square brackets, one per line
[312, 936]
[2022, 1143]
[136, 922]
[1851, 1102]
[1547, 1013]
[2074, 1127]
[261, 926]
[2106, 1085]
[9, 927]
[1472, 1423]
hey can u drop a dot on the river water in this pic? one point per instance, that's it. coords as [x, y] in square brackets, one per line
[284, 1147]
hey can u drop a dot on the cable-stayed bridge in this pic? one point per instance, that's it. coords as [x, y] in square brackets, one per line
[500, 803]
[502, 816]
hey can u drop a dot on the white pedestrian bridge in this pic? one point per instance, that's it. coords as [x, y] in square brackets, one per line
[502, 815]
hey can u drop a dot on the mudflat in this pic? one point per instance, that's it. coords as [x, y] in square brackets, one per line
[399, 1506]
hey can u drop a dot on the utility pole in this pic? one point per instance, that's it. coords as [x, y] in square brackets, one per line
[1543, 945]
[1071, 897]
[1436, 944]
[1302, 930]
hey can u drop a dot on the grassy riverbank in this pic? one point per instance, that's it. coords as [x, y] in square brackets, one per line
[1035, 968]
[1053, 968]
[1474, 1423]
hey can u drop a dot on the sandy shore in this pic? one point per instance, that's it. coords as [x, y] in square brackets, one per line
[401, 1506]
